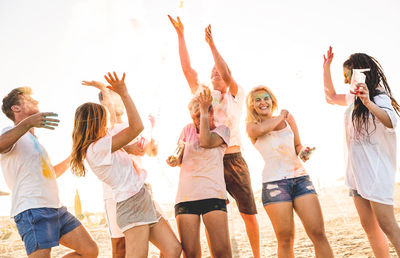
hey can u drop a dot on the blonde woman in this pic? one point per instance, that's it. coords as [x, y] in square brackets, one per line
[201, 188]
[286, 185]
[137, 215]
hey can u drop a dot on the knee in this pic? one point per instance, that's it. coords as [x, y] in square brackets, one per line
[317, 234]
[91, 250]
[389, 228]
[174, 251]
[285, 238]
[222, 251]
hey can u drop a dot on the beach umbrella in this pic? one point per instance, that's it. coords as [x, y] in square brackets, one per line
[3, 193]
[78, 206]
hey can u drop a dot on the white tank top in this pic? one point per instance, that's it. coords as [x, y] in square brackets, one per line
[279, 154]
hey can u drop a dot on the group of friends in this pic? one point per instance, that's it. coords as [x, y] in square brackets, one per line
[211, 164]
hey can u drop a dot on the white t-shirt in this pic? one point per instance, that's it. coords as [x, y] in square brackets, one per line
[279, 154]
[30, 175]
[371, 162]
[107, 190]
[202, 170]
[116, 169]
[228, 111]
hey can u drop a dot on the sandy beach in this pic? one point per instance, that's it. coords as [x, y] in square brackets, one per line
[341, 222]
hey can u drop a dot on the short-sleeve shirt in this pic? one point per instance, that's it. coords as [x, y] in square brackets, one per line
[202, 170]
[118, 127]
[116, 169]
[228, 111]
[30, 175]
[371, 161]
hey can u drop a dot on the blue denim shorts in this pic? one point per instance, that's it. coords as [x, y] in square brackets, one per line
[354, 193]
[286, 190]
[42, 228]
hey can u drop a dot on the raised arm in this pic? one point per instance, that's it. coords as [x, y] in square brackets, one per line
[258, 129]
[363, 93]
[39, 120]
[188, 71]
[135, 123]
[208, 139]
[330, 94]
[107, 101]
[220, 64]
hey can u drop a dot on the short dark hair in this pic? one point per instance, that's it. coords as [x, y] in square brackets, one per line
[12, 99]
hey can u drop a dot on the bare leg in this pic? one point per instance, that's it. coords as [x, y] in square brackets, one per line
[118, 247]
[216, 223]
[189, 232]
[309, 211]
[41, 253]
[137, 241]
[253, 232]
[164, 239]
[375, 235]
[80, 241]
[281, 216]
[387, 222]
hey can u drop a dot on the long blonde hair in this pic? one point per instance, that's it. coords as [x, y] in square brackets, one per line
[252, 115]
[90, 124]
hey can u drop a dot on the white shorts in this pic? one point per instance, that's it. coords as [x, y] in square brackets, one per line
[111, 214]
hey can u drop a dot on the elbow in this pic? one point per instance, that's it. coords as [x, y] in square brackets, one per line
[329, 100]
[206, 144]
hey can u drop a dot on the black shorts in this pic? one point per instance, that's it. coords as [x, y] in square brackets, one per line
[200, 207]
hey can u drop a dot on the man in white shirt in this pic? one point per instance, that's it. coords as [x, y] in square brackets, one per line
[228, 99]
[41, 220]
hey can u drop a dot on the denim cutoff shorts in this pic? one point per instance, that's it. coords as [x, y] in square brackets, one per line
[286, 190]
[42, 228]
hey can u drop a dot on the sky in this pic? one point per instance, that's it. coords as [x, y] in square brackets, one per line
[52, 46]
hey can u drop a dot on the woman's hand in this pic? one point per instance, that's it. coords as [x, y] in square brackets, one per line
[284, 114]
[328, 58]
[177, 25]
[172, 161]
[117, 85]
[363, 93]
[98, 85]
[209, 37]
[205, 100]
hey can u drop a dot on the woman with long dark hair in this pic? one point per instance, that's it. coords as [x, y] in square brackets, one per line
[370, 121]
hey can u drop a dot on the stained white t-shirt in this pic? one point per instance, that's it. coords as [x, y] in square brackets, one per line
[228, 111]
[371, 162]
[202, 170]
[30, 175]
[118, 127]
[279, 154]
[116, 169]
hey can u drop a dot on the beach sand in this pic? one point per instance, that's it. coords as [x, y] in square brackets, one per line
[342, 225]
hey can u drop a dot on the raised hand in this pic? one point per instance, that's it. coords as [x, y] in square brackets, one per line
[205, 100]
[117, 85]
[328, 58]
[41, 120]
[209, 37]
[363, 93]
[284, 114]
[177, 24]
[96, 84]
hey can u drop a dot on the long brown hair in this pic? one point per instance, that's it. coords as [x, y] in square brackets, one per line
[375, 78]
[252, 115]
[89, 125]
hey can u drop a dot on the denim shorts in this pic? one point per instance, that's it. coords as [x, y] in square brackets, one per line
[286, 190]
[42, 228]
[200, 207]
[354, 193]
